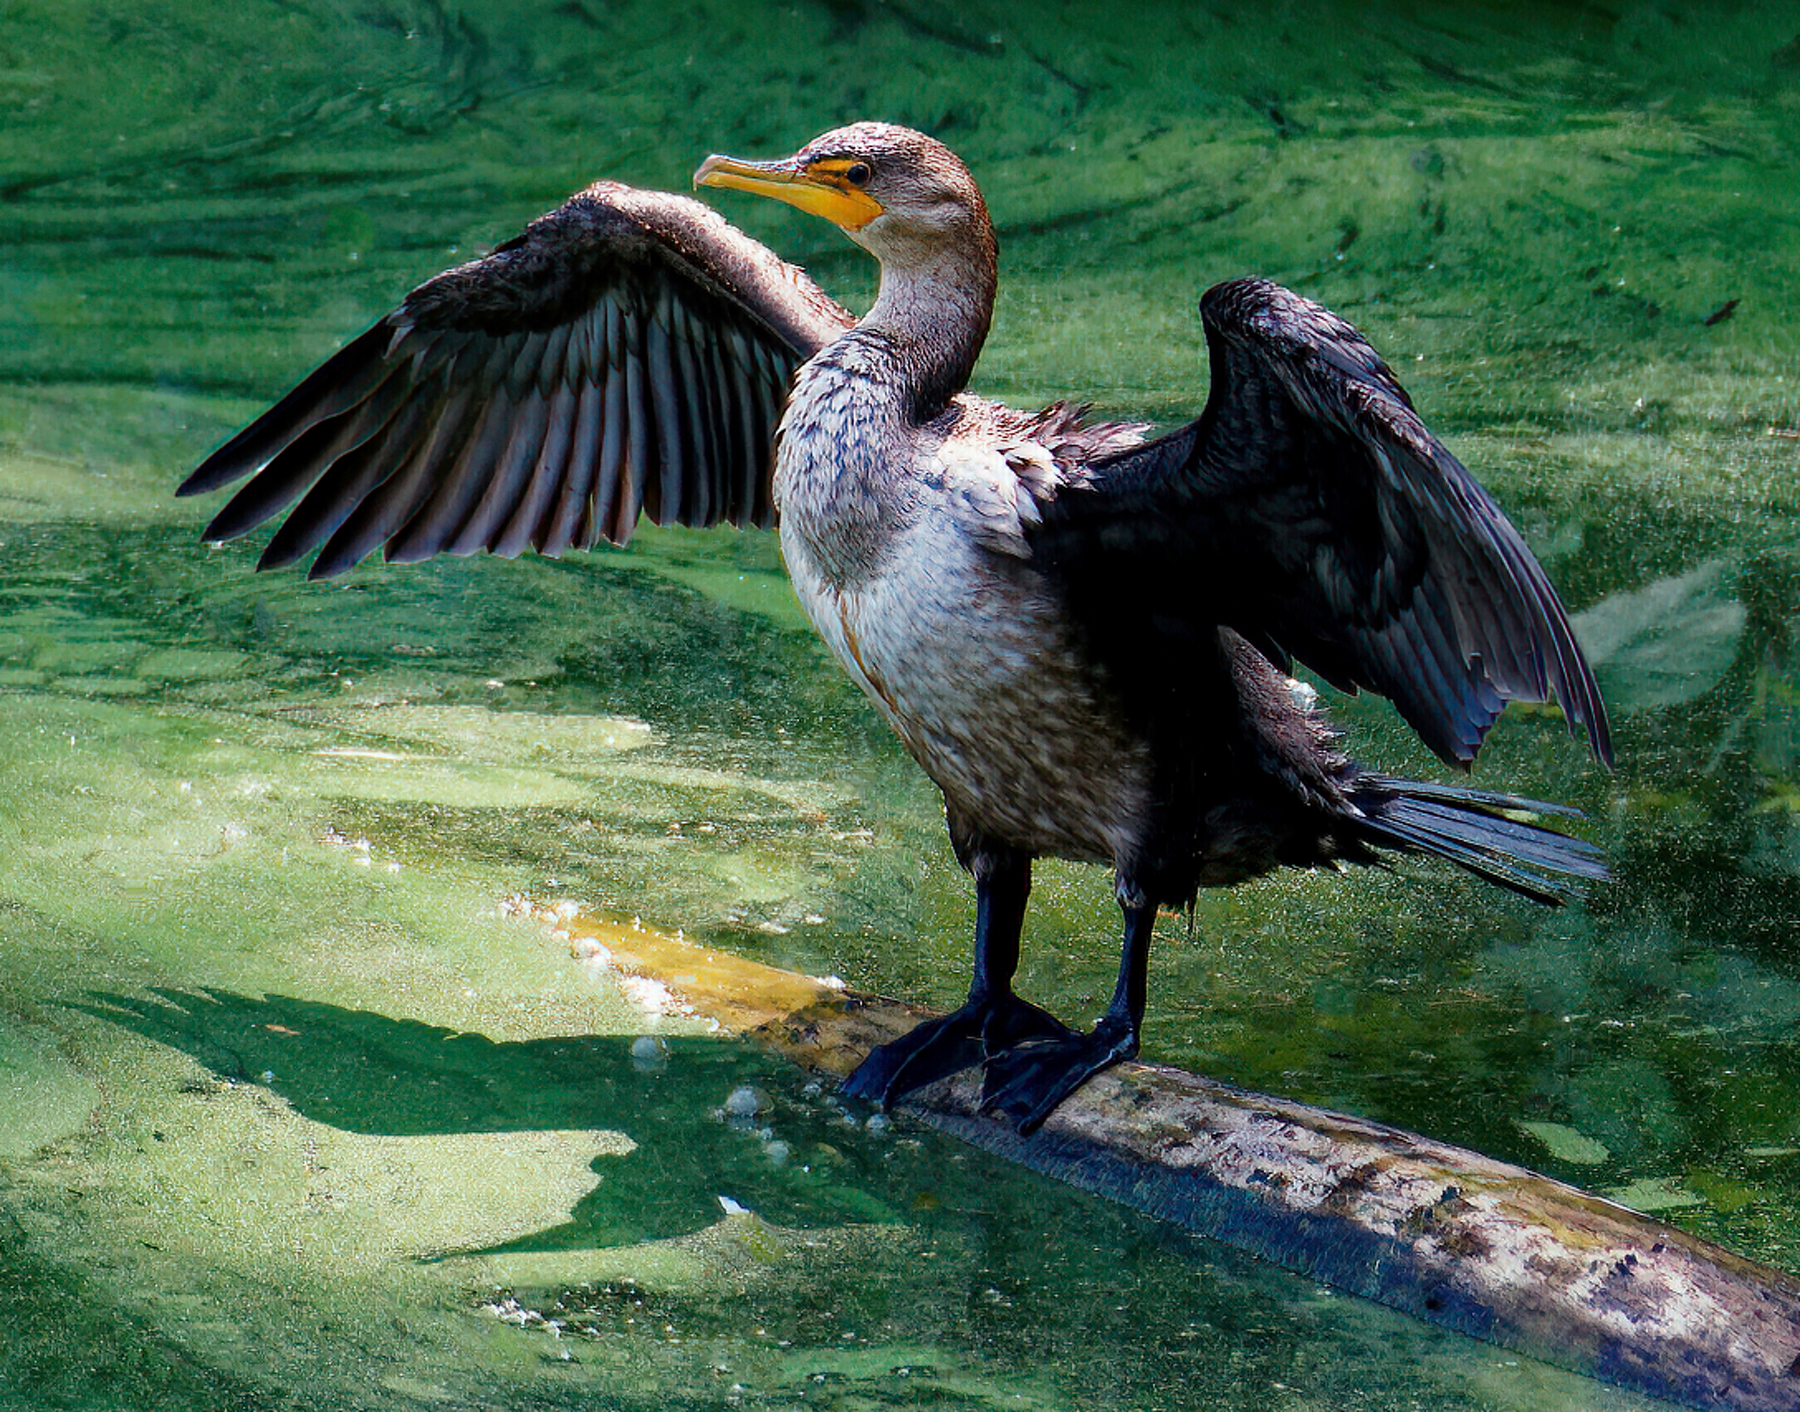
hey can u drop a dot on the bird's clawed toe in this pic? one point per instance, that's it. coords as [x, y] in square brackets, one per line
[973, 1033]
[1029, 1080]
[931, 1050]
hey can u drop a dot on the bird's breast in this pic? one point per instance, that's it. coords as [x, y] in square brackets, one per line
[904, 546]
[843, 466]
[967, 655]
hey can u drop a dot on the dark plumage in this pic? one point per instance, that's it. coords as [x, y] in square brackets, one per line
[1082, 636]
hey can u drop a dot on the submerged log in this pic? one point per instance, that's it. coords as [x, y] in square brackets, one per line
[1442, 1233]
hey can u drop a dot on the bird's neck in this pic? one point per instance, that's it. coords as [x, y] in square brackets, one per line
[845, 464]
[933, 312]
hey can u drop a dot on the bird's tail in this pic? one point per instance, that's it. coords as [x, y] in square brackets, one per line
[1480, 831]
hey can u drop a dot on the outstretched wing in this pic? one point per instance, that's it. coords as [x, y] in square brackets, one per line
[628, 353]
[1310, 509]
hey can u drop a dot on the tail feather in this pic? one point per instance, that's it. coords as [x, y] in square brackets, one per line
[1476, 830]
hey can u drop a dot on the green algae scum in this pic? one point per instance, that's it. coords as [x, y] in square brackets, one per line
[304, 1100]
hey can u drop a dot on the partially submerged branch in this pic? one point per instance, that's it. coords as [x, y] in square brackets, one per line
[1442, 1233]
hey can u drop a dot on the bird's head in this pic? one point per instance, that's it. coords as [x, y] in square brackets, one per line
[903, 196]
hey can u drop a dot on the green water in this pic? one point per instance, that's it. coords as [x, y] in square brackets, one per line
[297, 1110]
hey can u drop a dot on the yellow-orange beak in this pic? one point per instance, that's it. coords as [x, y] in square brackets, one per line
[819, 187]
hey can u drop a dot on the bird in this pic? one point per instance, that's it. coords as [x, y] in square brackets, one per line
[1086, 634]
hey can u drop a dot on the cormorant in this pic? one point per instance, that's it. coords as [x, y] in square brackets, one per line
[1081, 635]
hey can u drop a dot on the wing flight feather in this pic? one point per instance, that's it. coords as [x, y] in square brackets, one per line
[629, 352]
[1311, 510]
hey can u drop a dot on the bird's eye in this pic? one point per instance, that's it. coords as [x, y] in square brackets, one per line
[858, 173]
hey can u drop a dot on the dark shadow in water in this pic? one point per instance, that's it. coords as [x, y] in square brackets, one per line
[370, 1073]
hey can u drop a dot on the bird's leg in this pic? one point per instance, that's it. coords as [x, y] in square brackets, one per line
[1027, 1082]
[992, 1019]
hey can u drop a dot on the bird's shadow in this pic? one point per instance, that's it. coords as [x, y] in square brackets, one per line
[375, 1074]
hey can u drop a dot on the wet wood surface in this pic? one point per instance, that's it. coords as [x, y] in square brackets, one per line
[1457, 1239]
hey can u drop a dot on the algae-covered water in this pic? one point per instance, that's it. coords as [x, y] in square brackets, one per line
[300, 1105]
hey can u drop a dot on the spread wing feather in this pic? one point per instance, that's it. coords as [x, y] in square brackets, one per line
[628, 353]
[1311, 510]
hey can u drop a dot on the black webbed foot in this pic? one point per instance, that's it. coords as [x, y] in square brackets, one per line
[1027, 1081]
[936, 1049]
